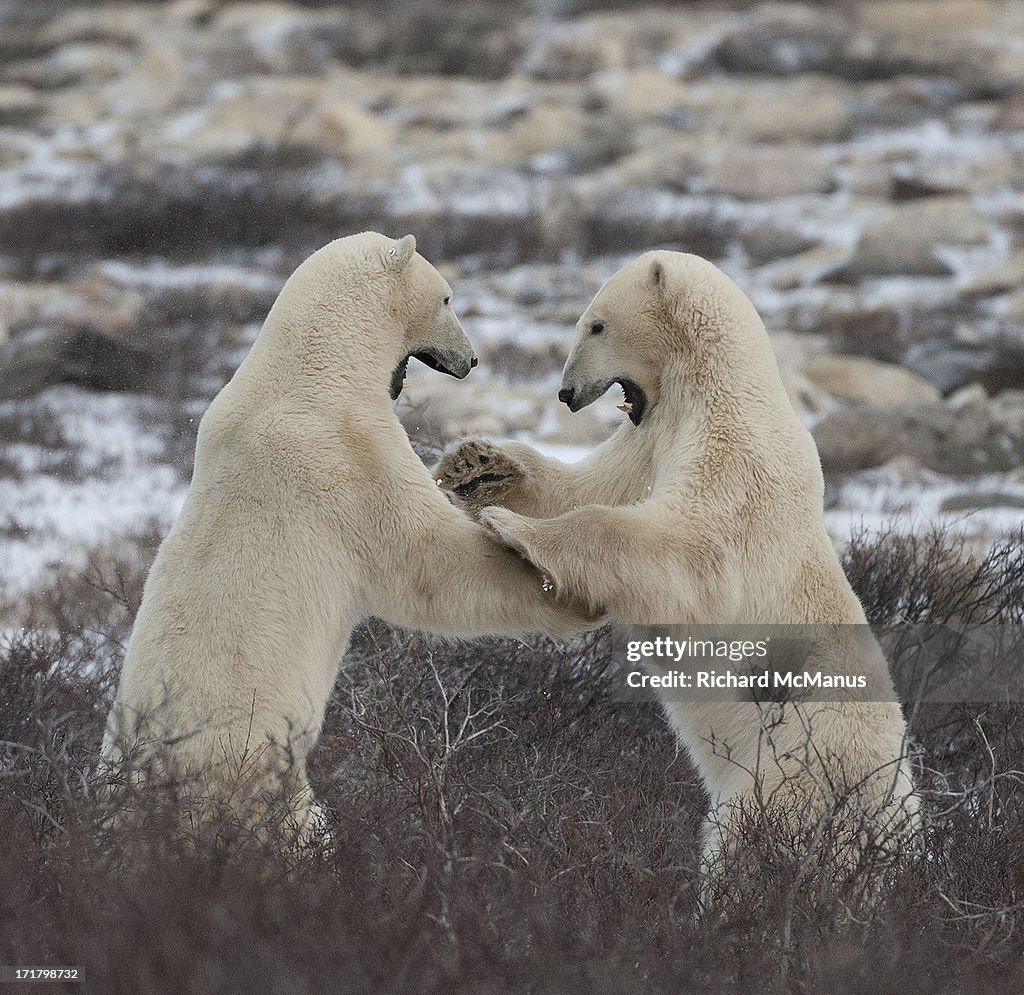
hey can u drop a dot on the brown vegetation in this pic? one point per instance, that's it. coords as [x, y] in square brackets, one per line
[498, 824]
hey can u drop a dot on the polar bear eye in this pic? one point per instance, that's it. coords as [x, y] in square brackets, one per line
[447, 300]
[597, 328]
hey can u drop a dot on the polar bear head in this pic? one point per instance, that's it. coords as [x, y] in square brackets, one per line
[432, 332]
[369, 285]
[665, 309]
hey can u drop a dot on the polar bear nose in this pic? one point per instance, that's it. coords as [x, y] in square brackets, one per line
[566, 394]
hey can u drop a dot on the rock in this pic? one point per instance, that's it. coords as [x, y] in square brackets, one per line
[130, 25]
[1007, 276]
[112, 312]
[72, 64]
[975, 116]
[934, 40]
[903, 241]
[204, 293]
[770, 240]
[1008, 407]
[806, 109]
[13, 149]
[573, 56]
[809, 401]
[229, 128]
[84, 333]
[279, 36]
[436, 410]
[784, 40]
[277, 115]
[614, 42]
[765, 172]
[975, 500]
[905, 101]
[793, 350]
[351, 134]
[866, 331]
[156, 83]
[984, 67]
[1011, 112]
[19, 105]
[1013, 309]
[946, 441]
[42, 357]
[22, 304]
[971, 398]
[807, 268]
[994, 364]
[855, 380]
[934, 175]
[541, 128]
[914, 19]
[644, 94]
[670, 162]
[865, 176]
[1002, 72]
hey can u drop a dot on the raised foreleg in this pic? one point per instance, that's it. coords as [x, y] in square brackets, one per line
[629, 562]
[514, 475]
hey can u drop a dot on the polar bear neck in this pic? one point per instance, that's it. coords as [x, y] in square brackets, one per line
[729, 412]
[328, 362]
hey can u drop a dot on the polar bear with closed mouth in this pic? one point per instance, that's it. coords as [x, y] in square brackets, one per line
[308, 511]
[705, 507]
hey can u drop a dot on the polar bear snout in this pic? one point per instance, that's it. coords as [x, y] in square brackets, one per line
[577, 397]
[579, 394]
[441, 343]
[447, 361]
[600, 359]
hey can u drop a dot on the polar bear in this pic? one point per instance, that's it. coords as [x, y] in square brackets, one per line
[705, 507]
[308, 510]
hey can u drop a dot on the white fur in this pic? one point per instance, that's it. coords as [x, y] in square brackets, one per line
[308, 511]
[707, 512]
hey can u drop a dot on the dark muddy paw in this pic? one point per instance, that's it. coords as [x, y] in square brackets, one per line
[478, 473]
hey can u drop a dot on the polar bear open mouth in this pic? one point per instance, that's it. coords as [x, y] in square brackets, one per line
[428, 358]
[635, 400]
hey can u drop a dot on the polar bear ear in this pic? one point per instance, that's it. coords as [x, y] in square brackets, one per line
[399, 252]
[656, 276]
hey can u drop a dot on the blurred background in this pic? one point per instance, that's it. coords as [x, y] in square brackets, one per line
[855, 166]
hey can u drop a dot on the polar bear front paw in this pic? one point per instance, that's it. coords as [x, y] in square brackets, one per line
[509, 528]
[516, 532]
[479, 473]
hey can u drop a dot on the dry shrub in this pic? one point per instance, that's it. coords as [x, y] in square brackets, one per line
[270, 198]
[498, 824]
[931, 577]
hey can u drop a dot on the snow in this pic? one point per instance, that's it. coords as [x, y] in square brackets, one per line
[881, 499]
[567, 454]
[120, 483]
[48, 523]
[158, 274]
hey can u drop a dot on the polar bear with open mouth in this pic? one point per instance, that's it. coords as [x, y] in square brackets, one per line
[705, 507]
[308, 511]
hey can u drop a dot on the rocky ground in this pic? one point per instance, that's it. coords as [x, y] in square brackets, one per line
[163, 167]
